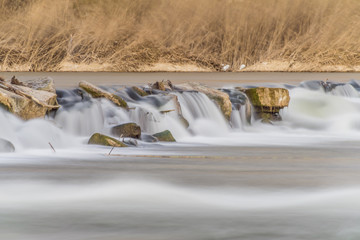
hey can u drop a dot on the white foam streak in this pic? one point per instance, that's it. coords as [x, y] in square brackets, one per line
[152, 195]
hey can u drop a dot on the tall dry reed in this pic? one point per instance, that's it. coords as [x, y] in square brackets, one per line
[42, 35]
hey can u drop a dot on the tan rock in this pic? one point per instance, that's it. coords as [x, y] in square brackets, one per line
[219, 97]
[97, 92]
[268, 101]
[25, 102]
[100, 139]
[44, 84]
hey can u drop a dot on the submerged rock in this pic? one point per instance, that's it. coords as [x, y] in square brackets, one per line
[267, 102]
[220, 98]
[100, 139]
[165, 136]
[6, 146]
[97, 92]
[148, 138]
[25, 102]
[131, 130]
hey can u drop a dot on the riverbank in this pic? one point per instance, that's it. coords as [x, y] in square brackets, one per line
[193, 67]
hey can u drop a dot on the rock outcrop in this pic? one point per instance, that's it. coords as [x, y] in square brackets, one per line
[165, 136]
[100, 139]
[25, 102]
[267, 102]
[131, 130]
[220, 98]
[97, 92]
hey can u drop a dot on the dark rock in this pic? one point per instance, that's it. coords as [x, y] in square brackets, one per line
[100, 139]
[165, 136]
[131, 130]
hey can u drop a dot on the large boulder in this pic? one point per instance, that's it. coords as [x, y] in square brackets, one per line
[131, 130]
[267, 102]
[97, 92]
[25, 102]
[43, 84]
[6, 146]
[100, 139]
[165, 136]
[220, 98]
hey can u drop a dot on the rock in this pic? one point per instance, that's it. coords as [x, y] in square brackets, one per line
[131, 130]
[139, 91]
[267, 102]
[100, 139]
[44, 84]
[6, 146]
[239, 100]
[15, 81]
[158, 86]
[148, 138]
[25, 102]
[220, 98]
[165, 136]
[97, 92]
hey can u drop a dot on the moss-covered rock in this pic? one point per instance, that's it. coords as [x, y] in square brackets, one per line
[269, 98]
[267, 102]
[165, 136]
[97, 92]
[140, 92]
[131, 130]
[100, 139]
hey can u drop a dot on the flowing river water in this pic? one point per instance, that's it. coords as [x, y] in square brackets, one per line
[295, 179]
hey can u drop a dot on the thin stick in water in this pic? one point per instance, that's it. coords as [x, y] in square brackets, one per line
[52, 147]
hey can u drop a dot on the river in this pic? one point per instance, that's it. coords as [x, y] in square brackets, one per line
[296, 179]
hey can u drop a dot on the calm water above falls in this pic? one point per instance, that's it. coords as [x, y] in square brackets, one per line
[296, 179]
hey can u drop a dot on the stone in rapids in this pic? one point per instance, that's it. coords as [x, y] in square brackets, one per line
[267, 102]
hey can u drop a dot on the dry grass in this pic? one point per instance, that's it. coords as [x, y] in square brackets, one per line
[126, 35]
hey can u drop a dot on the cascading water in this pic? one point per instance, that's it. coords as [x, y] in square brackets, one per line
[333, 110]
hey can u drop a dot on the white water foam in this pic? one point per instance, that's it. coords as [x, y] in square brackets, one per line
[148, 195]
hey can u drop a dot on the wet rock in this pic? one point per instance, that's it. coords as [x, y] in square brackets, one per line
[25, 102]
[239, 100]
[6, 146]
[165, 136]
[139, 91]
[220, 98]
[97, 92]
[131, 130]
[267, 102]
[100, 139]
[158, 86]
[148, 138]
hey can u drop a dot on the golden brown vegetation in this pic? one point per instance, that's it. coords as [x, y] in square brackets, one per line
[124, 35]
